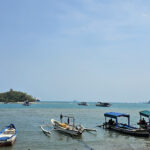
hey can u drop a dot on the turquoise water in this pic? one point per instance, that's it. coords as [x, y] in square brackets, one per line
[30, 136]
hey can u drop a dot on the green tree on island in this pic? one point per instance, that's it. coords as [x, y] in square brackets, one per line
[15, 96]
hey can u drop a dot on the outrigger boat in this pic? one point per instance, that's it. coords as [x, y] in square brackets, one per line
[8, 135]
[68, 128]
[142, 123]
[123, 128]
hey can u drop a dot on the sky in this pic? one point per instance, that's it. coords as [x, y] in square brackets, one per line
[85, 50]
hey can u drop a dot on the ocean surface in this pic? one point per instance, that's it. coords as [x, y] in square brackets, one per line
[28, 119]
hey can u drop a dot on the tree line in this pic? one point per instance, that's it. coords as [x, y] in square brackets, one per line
[15, 96]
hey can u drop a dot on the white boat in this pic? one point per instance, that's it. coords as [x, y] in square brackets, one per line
[67, 127]
[8, 135]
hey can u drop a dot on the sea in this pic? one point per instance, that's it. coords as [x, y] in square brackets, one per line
[28, 119]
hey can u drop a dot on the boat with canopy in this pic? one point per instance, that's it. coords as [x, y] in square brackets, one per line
[113, 124]
[142, 123]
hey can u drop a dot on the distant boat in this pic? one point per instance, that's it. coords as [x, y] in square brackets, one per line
[37, 100]
[67, 128]
[8, 135]
[101, 104]
[148, 102]
[83, 103]
[26, 103]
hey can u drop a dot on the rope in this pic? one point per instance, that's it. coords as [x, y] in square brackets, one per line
[86, 146]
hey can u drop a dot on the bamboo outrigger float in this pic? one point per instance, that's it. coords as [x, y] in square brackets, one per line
[47, 132]
[123, 128]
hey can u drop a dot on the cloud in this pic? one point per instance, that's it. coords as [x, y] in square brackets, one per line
[145, 15]
[117, 20]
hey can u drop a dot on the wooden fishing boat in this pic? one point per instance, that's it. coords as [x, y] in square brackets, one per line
[142, 123]
[8, 135]
[83, 103]
[123, 128]
[101, 104]
[68, 128]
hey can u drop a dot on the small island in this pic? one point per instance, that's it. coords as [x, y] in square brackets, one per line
[15, 96]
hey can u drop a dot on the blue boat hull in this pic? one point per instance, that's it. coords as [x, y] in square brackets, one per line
[8, 135]
[129, 130]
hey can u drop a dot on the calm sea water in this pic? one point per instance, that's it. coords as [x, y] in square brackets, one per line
[28, 120]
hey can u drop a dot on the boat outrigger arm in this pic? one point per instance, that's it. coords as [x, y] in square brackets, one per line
[115, 115]
[68, 119]
[145, 113]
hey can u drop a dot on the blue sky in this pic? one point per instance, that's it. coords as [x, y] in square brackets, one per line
[76, 49]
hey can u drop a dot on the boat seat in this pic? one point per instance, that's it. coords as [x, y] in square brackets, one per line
[64, 125]
[5, 135]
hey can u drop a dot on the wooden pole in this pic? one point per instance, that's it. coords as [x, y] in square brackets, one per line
[129, 121]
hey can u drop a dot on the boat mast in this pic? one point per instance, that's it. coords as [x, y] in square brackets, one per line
[73, 122]
[61, 116]
[68, 119]
[116, 121]
[128, 120]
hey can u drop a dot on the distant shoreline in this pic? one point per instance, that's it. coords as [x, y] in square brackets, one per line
[19, 102]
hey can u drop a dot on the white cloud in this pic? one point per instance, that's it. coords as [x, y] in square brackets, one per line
[145, 15]
[108, 21]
